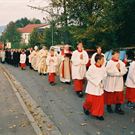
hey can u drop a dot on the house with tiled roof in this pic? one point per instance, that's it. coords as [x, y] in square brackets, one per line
[28, 29]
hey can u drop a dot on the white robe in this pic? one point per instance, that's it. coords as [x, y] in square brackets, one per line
[22, 58]
[130, 81]
[52, 65]
[67, 67]
[79, 65]
[2, 55]
[34, 57]
[42, 67]
[114, 80]
[95, 76]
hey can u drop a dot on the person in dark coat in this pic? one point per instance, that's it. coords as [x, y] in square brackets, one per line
[27, 57]
[15, 58]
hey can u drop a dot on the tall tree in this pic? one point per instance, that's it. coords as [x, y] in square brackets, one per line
[12, 35]
[25, 21]
[36, 38]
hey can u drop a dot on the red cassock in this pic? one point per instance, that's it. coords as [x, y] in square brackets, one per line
[113, 84]
[130, 94]
[94, 104]
[22, 65]
[78, 85]
[79, 68]
[114, 97]
[130, 83]
[51, 77]
[94, 101]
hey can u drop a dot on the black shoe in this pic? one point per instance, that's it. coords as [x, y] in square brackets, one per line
[40, 73]
[52, 83]
[101, 118]
[68, 83]
[130, 105]
[80, 94]
[118, 109]
[109, 109]
[62, 82]
[86, 111]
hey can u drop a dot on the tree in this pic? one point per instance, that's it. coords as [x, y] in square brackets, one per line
[125, 19]
[22, 22]
[106, 22]
[37, 38]
[12, 35]
[25, 21]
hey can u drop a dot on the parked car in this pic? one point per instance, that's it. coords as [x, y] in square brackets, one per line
[57, 48]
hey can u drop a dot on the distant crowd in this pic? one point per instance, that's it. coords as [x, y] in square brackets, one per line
[105, 85]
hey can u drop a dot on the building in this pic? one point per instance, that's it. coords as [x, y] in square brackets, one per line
[28, 29]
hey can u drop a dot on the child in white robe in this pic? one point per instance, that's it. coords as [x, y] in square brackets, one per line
[114, 84]
[52, 62]
[94, 100]
[130, 83]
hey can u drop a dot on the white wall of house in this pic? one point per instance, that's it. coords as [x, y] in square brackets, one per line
[25, 38]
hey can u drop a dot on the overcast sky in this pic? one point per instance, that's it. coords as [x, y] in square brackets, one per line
[11, 10]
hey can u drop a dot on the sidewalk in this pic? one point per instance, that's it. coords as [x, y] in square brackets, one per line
[13, 120]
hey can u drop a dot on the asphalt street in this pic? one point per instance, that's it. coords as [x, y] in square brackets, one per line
[13, 120]
[64, 108]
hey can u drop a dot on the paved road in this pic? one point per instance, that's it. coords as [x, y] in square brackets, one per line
[13, 120]
[64, 108]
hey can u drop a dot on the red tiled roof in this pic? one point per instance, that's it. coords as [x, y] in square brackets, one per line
[30, 27]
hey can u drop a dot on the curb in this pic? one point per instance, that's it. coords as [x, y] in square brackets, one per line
[39, 120]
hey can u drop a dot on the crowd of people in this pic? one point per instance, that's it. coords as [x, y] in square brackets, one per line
[105, 85]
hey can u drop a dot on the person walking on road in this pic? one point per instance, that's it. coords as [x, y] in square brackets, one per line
[65, 65]
[130, 83]
[94, 100]
[114, 84]
[99, 51]
[52, 62]
[79, 60]
[23, 60]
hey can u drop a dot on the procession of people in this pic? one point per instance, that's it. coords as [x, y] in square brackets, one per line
[105, 85]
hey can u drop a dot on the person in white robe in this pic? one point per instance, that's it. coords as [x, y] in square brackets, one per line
[94, 100]
[130, 84]
[23, 60]
[65, 65]
[52, 62]
[2, 55]
[114, 84]
[34, 57]
[79, 60]
[99, 51]
[42, 67]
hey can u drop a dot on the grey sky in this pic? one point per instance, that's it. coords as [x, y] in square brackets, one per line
[11, 10]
